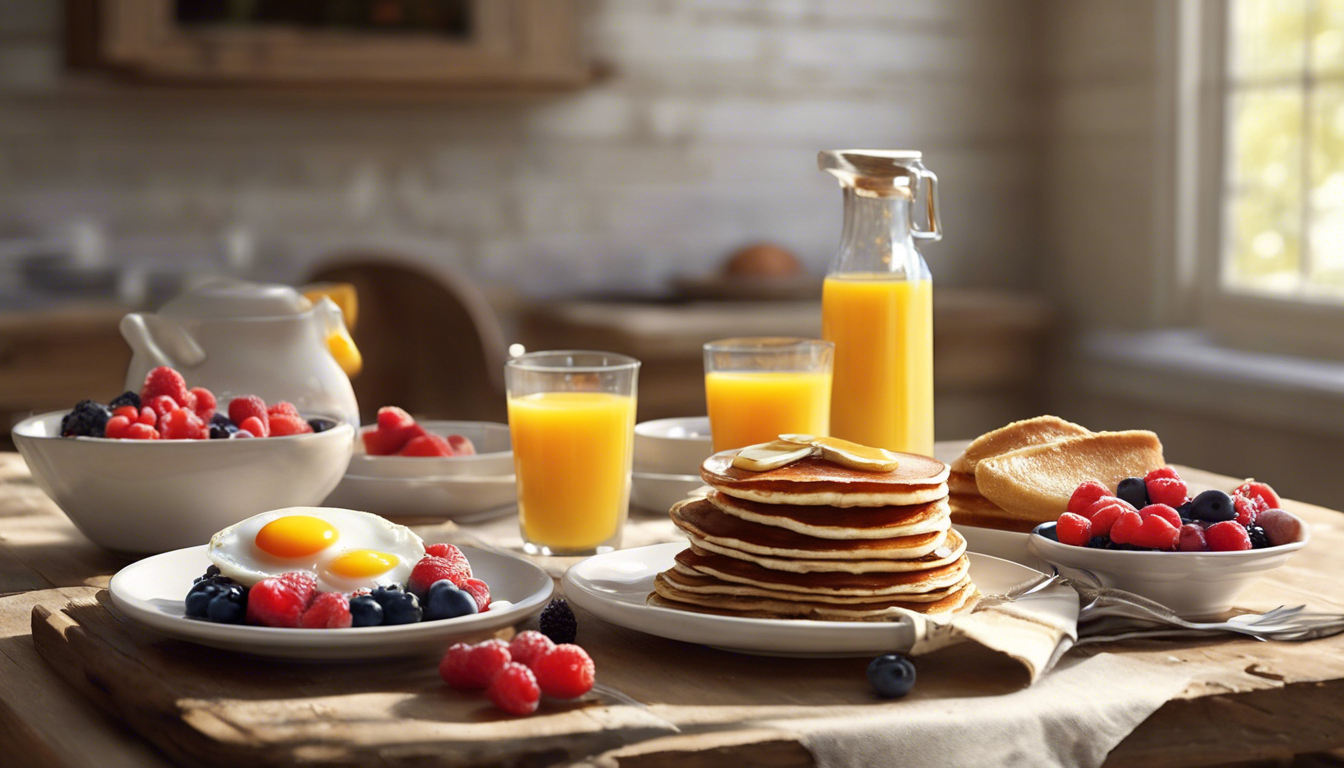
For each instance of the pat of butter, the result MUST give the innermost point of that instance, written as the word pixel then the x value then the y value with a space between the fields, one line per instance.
pixel 767 456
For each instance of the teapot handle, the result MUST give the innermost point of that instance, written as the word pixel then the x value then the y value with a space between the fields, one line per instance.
pixel 162 341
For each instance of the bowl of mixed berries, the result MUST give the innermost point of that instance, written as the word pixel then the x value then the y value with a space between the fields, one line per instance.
pixel 1193 552
pixel 165 467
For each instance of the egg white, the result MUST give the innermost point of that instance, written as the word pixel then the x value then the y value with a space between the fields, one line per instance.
pixel 233 550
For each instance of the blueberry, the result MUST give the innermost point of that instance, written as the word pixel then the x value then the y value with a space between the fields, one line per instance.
pixel 1259 538
pixel 199 597
pixel 221 431
pixel 1213 506
pixel 1134 491
pixel 892 676
pixel 87 419
pixel 221 419
pixel 445 601
pixel 125 398
pixel 1099 542
pixel 398 607
pixel 365 612
pixel 321 425
pixel 229 606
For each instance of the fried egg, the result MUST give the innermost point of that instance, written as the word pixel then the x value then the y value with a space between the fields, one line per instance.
pixel 343 548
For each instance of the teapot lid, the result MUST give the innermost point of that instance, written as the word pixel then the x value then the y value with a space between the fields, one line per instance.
pixel 223 298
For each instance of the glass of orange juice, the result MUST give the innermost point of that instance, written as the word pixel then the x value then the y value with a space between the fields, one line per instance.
pixel 760 388
pixel 572 422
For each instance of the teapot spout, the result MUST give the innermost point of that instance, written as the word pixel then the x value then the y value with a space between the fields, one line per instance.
pixel 161 341
pixel 337 336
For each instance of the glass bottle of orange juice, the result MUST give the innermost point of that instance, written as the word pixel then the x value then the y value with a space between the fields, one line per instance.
pixel 877 301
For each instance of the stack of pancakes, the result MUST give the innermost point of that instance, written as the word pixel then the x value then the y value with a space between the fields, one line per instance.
pixel 1021 475
pixel 817 540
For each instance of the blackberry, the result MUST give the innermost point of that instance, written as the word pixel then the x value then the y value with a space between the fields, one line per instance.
pixel 1099 542
pixel 88 419
pixel 558 623
pixel 321 425
pixel 210 573
pixel 365 611
pixel 892 676
pixel 1259 538
pixel 445 601
pixel 125 398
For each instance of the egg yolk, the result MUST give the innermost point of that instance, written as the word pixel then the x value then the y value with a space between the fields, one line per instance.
pixel 362 563
pixel 296 536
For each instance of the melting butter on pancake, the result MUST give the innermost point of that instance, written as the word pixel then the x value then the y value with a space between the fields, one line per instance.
pixel 1019 434
pixel 691 581
pixel 836 522
pixel 816 482
pixel 668 596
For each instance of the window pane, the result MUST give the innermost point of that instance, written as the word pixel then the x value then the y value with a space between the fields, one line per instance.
pixel 1327 36
pixel 1327 191
pixel 1263 243
pixel 1265 140
pixel 1267 37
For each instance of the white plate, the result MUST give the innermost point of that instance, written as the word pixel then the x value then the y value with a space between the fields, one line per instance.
pixel 152 591
pixel 657 492
pixel 614 587
pixel 1005 545
pixel 449 498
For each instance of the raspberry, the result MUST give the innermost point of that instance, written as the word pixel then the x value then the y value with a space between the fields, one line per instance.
pixel 254 427
pixel 283 407
pixel 148 416
pixel 330 610
pixel 479 590
pixel 565 672
pixel 162 405
pixel 1168 490
pixel 1161 472
pixel 182 424
pixel 1227 536
pixel 472 667
pixel 529 646
pixel 141 432
pixel 429 570
pixel 1248 509
pixel 398 426
pixel 1260 491
pixel 1073 529
pixel 462 446
pixel 1103 502
pixel 1157 533
pixel 250 406
pixel 116 427
pixel 514 689
pixel 1163 511
pixel 165 381
pixel 1105 518
pixel 379 443
pixel 205 403
pixel 426 445
pixel 279 601
pixel 1192 539
pixel 1085 495
pixel 130 412
pixel 284 424
pixel 1126 528
pixel 450 553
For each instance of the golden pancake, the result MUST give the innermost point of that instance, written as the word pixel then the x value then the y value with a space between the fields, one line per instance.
pixel 687 580
pixel 961 482
pixel 835 522
pixel 668 596
pixel 930 573
pixel 814 481
pixel 702 520
pixel 978 512
pixel 1019 434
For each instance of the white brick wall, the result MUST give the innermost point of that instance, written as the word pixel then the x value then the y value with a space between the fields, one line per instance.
pixel 704 138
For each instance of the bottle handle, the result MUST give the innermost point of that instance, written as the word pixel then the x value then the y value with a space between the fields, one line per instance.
pixel 929 180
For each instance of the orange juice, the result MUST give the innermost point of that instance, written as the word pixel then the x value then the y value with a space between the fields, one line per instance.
pixel 882 393
pixel 750 407
pixel 572 452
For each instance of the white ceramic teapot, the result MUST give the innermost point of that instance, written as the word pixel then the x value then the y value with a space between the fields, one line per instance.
pixel 237 338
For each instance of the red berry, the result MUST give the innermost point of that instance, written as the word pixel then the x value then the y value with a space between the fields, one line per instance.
pixel 1105 518
pixel 254 426
pixel 163 405
pixel 1168 472
pixel 479 590
pixel 1248 509
pixel 250 406
pixel 165 381
pixel 141 432
pixel 1168 490
pixel 279 601
pixel 462 446
pixel 1157 533
pixel 117 426
pixel 1103 502
pixel 1227 536
pixel 472 667
pixel 566 671
pixel 398 427
pixel 451 553
pixel 379 443
pixel 1280 527
pixel 148 416
pixel 514 689
pixel 1126 527
pixel 528 646
pixel 284 424
pixel 1163 511
pixel 329 610
pixel 426 445
pixel 205 403
pixel 429 570
pixel 1086 495
pixel 182 424
pixel 1073 529
pixel 129 411
pixel 283 407
pixel 1260 491
pixel 1192 539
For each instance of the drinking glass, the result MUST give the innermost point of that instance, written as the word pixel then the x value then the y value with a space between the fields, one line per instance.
pixel 760 388
pixel 572 422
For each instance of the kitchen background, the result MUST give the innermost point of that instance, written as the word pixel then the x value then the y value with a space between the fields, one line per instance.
pixel 1073 140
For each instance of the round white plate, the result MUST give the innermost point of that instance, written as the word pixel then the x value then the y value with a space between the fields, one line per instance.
pixel 152 591
pixel 614 587
pixel 450 498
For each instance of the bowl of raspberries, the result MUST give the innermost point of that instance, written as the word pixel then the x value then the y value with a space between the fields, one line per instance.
pixel 1192 551
pixel 165 467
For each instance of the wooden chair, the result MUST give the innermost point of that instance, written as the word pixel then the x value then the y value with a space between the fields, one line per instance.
pixel 431 342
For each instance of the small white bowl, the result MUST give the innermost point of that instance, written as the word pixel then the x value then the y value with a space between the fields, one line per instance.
pixel 657 493
pixel 672 446
pixel 150 496
pixel 494 454
pixel 1191 584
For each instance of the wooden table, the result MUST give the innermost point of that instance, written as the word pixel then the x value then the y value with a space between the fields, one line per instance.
pixel 1247 700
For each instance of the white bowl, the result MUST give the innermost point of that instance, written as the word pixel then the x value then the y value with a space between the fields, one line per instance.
pixel 1191 584
pixel 494 454
pixel 672 446
pixel 149 496
pixel 657 493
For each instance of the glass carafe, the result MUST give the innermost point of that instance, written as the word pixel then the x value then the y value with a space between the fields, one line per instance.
pixel 877 302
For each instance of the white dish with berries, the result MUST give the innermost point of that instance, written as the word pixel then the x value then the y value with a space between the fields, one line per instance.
pixel 152 592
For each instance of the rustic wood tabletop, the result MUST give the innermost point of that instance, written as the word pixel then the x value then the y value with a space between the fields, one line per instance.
pixel 79 686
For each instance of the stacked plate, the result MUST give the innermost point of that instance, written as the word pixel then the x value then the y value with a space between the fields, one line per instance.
pixel 668 453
